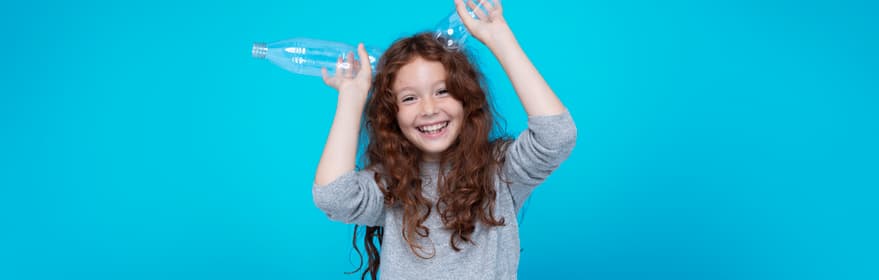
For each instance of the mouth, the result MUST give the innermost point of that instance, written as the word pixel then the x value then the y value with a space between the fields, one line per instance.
pixel 433 129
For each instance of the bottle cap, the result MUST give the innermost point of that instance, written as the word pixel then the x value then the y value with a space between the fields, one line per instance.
pixel 259 50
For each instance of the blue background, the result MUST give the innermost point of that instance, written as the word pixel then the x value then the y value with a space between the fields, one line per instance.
pixel 718 139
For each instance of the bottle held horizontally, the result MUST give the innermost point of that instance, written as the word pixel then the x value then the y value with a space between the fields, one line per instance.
pixel 307 56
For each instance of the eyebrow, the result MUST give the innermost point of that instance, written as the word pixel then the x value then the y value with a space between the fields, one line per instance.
pixel 398 91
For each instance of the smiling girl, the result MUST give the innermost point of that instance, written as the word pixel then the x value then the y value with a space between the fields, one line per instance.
pixel 439 196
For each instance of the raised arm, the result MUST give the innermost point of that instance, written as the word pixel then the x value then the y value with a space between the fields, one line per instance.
pixel 340 151
pixel 492 30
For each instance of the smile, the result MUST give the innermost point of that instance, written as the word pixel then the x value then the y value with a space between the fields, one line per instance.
pixel 433 129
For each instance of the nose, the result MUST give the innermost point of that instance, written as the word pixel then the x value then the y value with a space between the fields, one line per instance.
pixel 428 107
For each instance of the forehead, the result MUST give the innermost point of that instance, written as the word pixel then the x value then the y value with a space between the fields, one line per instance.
pixel 419 73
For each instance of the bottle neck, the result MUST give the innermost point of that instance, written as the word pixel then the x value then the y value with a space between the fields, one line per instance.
pixel 259 50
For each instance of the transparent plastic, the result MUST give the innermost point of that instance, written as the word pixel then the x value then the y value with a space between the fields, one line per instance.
pixel 307 56
pixel 451 30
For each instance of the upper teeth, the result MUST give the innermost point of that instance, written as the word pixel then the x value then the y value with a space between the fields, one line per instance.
pixel 433 128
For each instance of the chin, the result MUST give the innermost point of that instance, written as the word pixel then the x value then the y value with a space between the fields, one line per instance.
pixel 433 145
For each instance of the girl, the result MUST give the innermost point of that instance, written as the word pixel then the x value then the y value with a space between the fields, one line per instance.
pixel 437 193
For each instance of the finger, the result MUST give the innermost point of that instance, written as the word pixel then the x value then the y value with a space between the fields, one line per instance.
pixel 463 14
pixel 340 67
pixel 365 66
pixel 498 8
pixel 493 9
pixel 355 66
pixel 349 65
pixel 486 4
pixel 477 10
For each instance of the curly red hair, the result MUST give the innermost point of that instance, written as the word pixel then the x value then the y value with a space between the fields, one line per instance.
pixel 466 193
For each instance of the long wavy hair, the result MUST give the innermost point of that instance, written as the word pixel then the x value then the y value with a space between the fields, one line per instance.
pixel 466 193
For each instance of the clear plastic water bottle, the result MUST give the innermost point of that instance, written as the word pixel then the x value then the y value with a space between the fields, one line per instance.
pixel 307 56
pixel 451 30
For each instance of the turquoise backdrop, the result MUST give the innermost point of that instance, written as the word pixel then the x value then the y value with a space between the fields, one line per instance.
pixel 717 139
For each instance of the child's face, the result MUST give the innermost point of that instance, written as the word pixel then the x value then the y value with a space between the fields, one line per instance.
pixel 428 115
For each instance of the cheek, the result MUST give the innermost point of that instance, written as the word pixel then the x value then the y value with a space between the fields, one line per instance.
pixel 458 111
pixel 403 118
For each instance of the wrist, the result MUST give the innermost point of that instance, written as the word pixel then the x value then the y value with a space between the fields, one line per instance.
pixel 351 100
pixel 353 95
pixel 500 39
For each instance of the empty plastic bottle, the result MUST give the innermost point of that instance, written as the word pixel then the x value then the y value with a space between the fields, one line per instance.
pixel 307 56
pixel 451 30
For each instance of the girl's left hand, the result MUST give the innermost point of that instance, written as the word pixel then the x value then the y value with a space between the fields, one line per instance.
pixel 355 79
pixel 489 25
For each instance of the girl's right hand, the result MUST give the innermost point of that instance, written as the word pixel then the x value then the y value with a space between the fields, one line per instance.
pixel 489 27
pixel 354 81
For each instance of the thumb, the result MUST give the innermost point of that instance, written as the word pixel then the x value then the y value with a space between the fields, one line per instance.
pixel 325 76
pixel 365 66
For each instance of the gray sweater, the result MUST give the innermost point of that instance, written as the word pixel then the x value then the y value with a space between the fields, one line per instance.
pixel 355 198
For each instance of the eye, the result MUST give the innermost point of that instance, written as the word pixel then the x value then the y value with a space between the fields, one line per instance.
pixel 442 92
pixel 407 99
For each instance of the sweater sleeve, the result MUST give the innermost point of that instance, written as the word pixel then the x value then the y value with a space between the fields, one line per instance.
pixel 353 198
pixel 538 150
